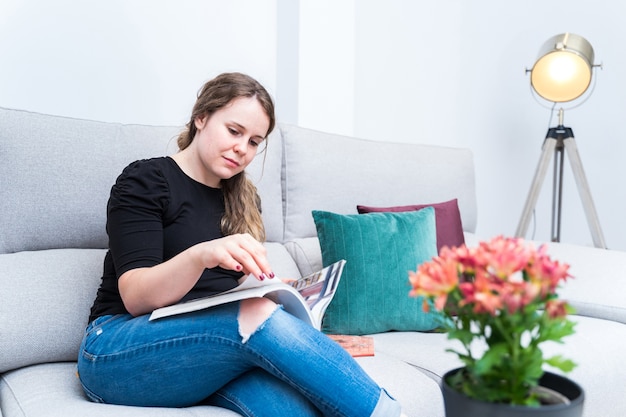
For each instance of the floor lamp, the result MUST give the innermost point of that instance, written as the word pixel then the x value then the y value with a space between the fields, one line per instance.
pixel 562 73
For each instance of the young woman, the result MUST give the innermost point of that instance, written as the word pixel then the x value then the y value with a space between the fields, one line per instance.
pixel 188 226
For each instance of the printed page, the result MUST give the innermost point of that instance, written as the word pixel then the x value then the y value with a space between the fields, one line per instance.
pixel 306 298
pixel 319 288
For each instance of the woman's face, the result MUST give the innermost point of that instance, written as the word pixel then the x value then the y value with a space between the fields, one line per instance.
pixel 228 140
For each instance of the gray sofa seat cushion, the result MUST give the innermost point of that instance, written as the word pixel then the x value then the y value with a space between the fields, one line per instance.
pixel 595 272
pixel 53 390
pixel 597 347
pixel 335 173
pixel 416 391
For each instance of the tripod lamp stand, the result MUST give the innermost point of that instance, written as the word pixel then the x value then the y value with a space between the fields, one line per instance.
pixel 562 73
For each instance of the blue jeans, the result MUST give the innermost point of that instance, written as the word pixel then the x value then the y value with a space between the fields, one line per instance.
pixel 285 368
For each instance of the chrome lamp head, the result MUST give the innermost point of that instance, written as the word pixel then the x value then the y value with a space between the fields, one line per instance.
pixel 563 70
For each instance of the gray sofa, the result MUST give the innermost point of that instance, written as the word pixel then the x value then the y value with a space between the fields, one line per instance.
pixel 55 175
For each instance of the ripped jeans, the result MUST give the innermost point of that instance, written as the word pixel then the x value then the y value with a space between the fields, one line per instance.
pixel 285 368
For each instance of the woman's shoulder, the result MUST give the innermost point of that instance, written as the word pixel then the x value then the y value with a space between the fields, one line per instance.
pixel 149 164
pixel 146 168
pixel 141 187
pixel 144 173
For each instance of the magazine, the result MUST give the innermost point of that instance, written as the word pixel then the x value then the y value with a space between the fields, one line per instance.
pixel 306 298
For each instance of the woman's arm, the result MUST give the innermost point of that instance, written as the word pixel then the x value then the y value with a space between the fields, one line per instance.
pixel 145 289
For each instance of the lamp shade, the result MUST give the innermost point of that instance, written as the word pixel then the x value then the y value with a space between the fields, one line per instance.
pixel 564 68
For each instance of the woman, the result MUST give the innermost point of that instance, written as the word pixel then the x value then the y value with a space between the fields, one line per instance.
pixel 187 226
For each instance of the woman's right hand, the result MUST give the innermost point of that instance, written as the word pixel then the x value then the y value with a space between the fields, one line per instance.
pixel 146 289
pixel 239 252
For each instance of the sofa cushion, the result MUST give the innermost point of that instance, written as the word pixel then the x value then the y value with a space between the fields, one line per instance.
pixel 46 295
pixel 597 347
pixel 266 171
pixel 447 220
pixel 44 304
pixel 416 391
pixel 53 390
pixel 380 248
pixel 72 164
pixel 598 275
pixel 306 253
pixel 335 173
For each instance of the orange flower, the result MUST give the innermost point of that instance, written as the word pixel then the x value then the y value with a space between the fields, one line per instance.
pixel 434 279
pixel 495 293
pixel 506 256
pixel 556 308
pixel 505 275
pixel 517 295
pixel 482 294
pixel 548 272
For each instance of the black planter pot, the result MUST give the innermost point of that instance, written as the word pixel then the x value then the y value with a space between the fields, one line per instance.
pixel 458 405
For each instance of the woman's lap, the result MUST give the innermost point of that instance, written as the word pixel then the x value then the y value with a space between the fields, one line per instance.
pixel 133 361
pixel 183 360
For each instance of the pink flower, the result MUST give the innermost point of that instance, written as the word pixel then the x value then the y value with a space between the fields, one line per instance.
pixel 482 294
pixel 495 293
pixel 546 271
pixel 506 256
pixel 517 295
pixel 434 279
pixel 498 276
pixel 556 308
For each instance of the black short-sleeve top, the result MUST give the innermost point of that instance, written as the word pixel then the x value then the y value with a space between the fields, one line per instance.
pixel 155 211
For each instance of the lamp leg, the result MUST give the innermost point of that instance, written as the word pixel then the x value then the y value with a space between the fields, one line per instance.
pixel 585 193
pixel 560 138
pixel 557 190
pixel 540 174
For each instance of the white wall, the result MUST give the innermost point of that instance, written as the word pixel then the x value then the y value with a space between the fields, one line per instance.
pixel 138 61
pixel 447 72
pixel 452 72
pixel 459 80
pixel 327 65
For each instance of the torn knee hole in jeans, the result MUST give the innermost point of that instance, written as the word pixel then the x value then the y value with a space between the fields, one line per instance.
pixel 245 335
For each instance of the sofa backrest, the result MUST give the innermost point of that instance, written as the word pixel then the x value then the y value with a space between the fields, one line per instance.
pixel 55 178
pixel 335 173
pixel 56 174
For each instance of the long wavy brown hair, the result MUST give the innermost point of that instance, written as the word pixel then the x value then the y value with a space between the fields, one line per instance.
pixel 241 199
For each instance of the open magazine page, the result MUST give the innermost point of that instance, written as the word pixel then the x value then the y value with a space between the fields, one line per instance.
pixel 247 289
pixel 305 298
pixel 319 288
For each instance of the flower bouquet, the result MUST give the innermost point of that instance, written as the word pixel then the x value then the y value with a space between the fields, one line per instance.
pixel 499 301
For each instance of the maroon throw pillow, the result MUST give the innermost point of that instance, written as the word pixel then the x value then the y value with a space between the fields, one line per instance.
pixel 447 220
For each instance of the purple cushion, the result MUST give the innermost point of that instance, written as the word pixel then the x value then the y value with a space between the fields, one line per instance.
pixel 447 220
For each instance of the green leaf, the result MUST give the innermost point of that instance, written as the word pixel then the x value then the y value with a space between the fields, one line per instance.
pixel 556 330
pixel 495 356
pixel 464 336
pixel 559 362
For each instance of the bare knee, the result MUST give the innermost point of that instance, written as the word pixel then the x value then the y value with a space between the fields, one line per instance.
pixel 252 313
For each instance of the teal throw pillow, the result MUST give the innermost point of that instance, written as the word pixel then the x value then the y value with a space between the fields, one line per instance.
pixel 380 250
